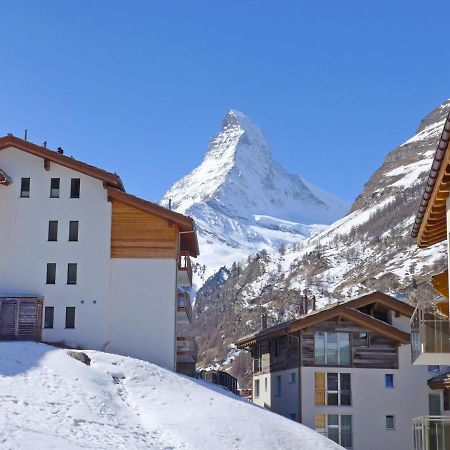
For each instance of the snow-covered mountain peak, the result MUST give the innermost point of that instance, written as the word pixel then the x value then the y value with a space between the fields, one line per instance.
pixel 241 197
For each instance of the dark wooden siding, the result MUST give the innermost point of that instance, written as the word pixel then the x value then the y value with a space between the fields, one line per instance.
pixel 382 352
pixel 21 318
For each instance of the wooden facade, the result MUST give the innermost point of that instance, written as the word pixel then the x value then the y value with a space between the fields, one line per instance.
pixel 21 318
pixel 367 321
pixel 139 234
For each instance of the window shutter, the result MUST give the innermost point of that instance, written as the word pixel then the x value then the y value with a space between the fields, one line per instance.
pixel 319 378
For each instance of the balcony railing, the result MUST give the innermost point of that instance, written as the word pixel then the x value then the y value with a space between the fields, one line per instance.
pixel 430 336
pixel 186 349
pixel 184 265
pixel 431 433
pixel 184 305
pixel 333 398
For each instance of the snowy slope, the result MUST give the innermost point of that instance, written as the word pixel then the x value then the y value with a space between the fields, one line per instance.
pixel 50 401
pixel 243 201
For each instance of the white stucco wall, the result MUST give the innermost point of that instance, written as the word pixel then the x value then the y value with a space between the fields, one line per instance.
pixel 372 401
pixel 142 309
pixel 25 250
pixel 286 403
pixel 264 394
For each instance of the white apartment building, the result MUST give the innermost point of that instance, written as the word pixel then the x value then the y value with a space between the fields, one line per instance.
pixel 105 266
pixel 344 371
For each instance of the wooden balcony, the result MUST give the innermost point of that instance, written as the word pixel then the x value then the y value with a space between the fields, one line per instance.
pixel 184 275
pixel 186 349
pixel 184 307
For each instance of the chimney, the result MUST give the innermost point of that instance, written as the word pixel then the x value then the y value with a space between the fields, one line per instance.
pixel 170 204
pixel 60 150
pixel 25 138
pixel 263 321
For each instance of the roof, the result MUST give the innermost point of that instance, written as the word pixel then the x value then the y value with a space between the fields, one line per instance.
pixel 114 185
pixel 109 178
pixel 4 179
pixel 441 381
pixel 349 310
pixel 430 226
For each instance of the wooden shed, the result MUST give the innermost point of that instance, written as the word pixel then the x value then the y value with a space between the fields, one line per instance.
pixel 21 318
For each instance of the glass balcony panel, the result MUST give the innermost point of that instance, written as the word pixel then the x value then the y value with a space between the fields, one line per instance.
pixel 430 336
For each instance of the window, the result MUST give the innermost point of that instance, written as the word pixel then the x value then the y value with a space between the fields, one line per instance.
pixel 333 389
pixel 49 314
pixel 75 188
pixel 256 388
pixel 390 422
pixel 332 349
pixel 434 403
pixel 54 188
pixel 257 360
pixel 337 427
pixel 361 339
pixel 277 350
pixel 25 188
pixel 73 231
pixel 446 393
pixel 51 273
pixel 292 378
pixel 265 384
pixel 72 273
pixel 389 380
pixel 70 317
pixel 278 386
pixel 53 230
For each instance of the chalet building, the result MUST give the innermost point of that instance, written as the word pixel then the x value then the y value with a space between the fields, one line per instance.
pixel 84 263
pixel 344 371
pixel 430 325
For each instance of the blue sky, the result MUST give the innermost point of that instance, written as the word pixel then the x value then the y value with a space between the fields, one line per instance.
pixel 139 87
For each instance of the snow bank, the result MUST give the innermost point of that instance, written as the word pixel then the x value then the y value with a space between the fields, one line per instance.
pixel 51 401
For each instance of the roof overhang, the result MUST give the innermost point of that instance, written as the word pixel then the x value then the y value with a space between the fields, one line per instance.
pixel 440 283
pixel 430 226
pixel 357 317
pixel 108 178
pixel 441 381
pixel 186 225
pixel 348 310
pixel 4 179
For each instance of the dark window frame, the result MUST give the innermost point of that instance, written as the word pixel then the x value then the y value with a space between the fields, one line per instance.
pixel 25 193
pixel 393 422
pixel 51 276
pixel 70 320
pixel 72 273
pixel 49 317
pixel 55 190
pixel 52 232
pixel 389 384
pixel 74 227
pixel 75 184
